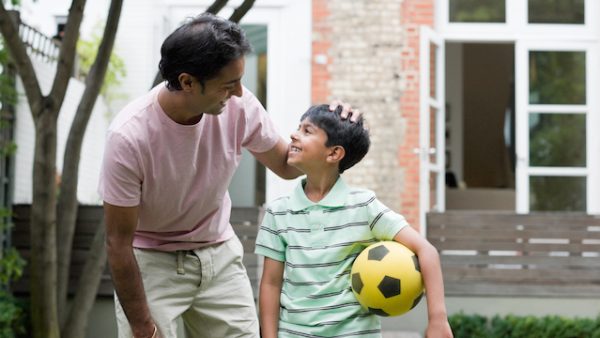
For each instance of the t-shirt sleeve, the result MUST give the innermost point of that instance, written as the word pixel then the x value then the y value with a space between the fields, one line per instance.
pixel 260 134
pixel 384 222
pixel 120 179
pixel 268 241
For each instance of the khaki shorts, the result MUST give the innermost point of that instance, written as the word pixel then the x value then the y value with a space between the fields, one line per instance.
pixel 207 287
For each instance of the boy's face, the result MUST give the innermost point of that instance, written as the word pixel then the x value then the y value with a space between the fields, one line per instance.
pixel 307 149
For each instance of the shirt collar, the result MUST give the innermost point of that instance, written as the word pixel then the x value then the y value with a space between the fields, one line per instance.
pixel 336 197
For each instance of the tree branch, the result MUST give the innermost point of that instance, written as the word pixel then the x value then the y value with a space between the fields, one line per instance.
pixel 9 27
pixel 216 6
pixel 242 9
pixel 66 55
pixel 67 202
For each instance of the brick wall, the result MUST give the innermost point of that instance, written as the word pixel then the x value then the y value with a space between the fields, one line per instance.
pixel 416 13
pixel 366 52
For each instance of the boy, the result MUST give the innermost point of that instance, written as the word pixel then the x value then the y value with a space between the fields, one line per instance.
pixel 311 238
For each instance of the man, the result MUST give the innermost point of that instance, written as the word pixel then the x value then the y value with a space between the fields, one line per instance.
pixel 169 158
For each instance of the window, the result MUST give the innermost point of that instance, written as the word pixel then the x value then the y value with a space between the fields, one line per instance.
pixel 477 11
pixel 556 11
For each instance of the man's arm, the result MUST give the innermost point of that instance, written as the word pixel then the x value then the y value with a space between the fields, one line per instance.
pixel 121 223
pixel 270 291
pixel 276 160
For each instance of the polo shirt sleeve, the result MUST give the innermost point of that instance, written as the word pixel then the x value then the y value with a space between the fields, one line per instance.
pixel 120 178
pixel 384 222
pixel 268 241
pixel 260 134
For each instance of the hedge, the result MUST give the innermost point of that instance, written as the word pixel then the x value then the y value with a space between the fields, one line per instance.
pixel 510 326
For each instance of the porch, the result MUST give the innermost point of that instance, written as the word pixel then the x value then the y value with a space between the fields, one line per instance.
pixel 497 253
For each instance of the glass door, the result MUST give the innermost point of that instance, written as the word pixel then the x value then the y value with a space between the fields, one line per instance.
pixel 555 109
pixel 431 128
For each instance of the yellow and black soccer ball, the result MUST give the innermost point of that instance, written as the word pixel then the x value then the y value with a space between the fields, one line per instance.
pixel 386 279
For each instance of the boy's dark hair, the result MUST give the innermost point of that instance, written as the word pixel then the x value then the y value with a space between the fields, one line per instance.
pixel 352 136
pixel 201 47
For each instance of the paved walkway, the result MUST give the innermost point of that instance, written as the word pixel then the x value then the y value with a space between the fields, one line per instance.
pixel 401 334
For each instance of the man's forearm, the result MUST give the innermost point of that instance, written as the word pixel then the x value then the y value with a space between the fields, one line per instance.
pixel 130 291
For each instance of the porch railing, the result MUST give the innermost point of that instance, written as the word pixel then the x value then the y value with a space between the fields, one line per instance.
pixel 39 44
pixel 507 254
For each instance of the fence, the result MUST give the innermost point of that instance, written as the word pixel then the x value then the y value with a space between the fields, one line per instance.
pixel 244 221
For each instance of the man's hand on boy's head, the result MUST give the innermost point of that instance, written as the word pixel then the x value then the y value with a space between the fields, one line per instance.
pixel 347 110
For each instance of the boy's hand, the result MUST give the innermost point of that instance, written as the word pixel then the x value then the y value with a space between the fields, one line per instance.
pixel 347 110
pixel 438 329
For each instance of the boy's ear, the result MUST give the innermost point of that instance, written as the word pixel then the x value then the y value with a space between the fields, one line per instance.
pixel 336 154
pixel 186 81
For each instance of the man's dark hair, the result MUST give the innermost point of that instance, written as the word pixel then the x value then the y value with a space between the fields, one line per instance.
pixel 352 136
pixel 201 47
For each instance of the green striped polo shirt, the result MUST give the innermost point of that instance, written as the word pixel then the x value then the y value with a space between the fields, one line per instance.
pixel 318 243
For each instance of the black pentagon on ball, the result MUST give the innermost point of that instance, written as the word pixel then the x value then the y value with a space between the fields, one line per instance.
pixel 357 283
pixel 377 253
pixel 389 286
pixel 416 262
pixel 378 312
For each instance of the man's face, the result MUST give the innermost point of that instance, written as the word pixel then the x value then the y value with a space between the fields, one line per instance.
pixel 218 90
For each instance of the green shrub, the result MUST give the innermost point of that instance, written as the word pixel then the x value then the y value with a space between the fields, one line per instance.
pixel 511 326
pixel 12 316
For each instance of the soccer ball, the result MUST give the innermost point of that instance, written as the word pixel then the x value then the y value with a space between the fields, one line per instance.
pixel 386 279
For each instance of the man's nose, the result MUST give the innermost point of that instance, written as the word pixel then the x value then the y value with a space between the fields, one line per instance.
pixel 238 90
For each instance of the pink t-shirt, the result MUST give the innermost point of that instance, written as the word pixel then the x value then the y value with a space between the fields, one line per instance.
pixel 177 174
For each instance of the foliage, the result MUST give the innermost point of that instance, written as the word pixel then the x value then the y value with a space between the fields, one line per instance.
pixel 8 95
pixel 12 313
pixel 473 326
pixel 557 77
pixel 511 326
pixel 12 316
pixel 87 50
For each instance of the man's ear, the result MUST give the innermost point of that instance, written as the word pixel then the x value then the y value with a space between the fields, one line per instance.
pixel 186 81
pixel 336 154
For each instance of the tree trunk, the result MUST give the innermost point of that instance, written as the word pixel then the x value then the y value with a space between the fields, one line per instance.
pixel 66 53
pixel 43 229
pixel 88 287
pixel 44 110
pixel 9 26
pixel 67 203
pixel 216 6
pixel 241 11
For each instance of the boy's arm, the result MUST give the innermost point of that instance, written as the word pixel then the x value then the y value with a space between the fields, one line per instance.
pixel 270 291
pixel 429 261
